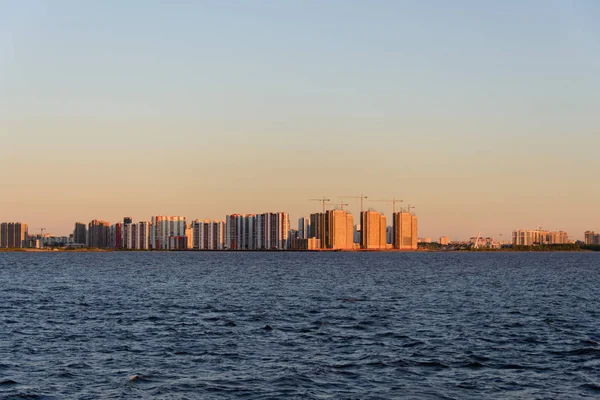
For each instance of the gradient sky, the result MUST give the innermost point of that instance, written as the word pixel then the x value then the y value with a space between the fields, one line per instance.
pixel 484 115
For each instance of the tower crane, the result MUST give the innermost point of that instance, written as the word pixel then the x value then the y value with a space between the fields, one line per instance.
pixel 341 205
pixel 323 200
pixel 362 197
pixel 393 201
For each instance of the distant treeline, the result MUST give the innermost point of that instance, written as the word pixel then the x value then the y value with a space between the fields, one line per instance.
pixel 546 247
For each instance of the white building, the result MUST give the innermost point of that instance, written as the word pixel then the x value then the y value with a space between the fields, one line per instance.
pixel 143 235
pixel 208 235
pixel 164 228
pixel 268 231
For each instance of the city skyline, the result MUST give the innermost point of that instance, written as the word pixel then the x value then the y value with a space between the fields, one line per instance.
pixel 401 206
pixel 482 115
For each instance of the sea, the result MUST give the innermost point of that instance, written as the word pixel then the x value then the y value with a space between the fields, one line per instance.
pixel 299 325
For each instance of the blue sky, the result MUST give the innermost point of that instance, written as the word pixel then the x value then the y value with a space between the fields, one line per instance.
pixel 483 114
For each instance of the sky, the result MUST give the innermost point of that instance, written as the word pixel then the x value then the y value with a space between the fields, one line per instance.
pixel 485 116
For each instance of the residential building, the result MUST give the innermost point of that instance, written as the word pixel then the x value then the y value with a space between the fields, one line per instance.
pixel 4 235
pixel 303 228
pixel 538 237
pixel 293 238
pixel 237 235
pixel 164 227
pixel 267 231
pixel 339 233
pixel 143 235
pixel 99 234
pixel 444 241
pixel 189 234
pixel 405 231
pixel 208 235
pixel 317 228
pixel 357 233
pixel 332 230
pixel 389 234
pixel 592 238
pixel 80 233
pixel 13 235
pixel 373 233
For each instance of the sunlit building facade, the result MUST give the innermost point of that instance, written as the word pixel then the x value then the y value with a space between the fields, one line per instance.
pixel 405 231
pixel 538 237
pixel 373 230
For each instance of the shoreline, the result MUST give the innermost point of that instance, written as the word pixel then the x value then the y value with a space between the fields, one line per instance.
pixel 508 250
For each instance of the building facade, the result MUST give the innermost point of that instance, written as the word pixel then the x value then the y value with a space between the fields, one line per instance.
pixel 13 235
pixel 99 234
pixel 591 237
pixel 267 231
pixel 208 235
pixel 373 230
pixel 405 231
pixel 80 233
pixel 538 237
pixel 164 228
pixel 303 228
pixel 333 230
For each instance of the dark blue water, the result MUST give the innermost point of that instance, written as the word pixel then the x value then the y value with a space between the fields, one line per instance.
pixel 299 325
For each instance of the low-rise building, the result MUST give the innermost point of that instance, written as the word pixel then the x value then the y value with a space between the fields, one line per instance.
pixel 539 237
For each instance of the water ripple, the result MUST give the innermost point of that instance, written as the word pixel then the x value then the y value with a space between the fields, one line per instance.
pixel 299 325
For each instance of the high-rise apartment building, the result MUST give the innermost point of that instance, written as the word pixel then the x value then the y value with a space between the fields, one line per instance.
pixel 444 241
pixel 80 233
pixel 99 234
pixel 333 230
pixel 165 227
pixel 303 228
pixel 317 228
pixel 189 236
pixel 13 235
pixel 389 235
pixel 4 235
pixel 405 231
pixel 279 231
pixel 129 234
pixel 373 226
pixel 339 230
pixel 240 232
pixel 143 235
pixel 267 231
pixel 117 235
pixel 208 235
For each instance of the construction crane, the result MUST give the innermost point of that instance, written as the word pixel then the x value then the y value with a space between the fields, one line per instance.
pixel 341 205
pixel 393 201
pixel 411 208
pixel 323 200
pixel 362 197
